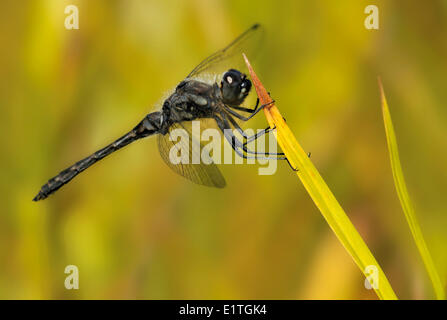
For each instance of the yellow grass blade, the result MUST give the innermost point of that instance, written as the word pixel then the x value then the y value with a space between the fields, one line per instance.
pixel 320 193
pixel 405 201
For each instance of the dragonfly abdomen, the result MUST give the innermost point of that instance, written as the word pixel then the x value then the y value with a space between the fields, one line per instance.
pixel 149 126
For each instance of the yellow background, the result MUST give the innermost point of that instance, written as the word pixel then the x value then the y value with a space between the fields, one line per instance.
pixel 137 230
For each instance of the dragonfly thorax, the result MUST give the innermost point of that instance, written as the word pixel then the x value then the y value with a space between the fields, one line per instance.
pixel 191 100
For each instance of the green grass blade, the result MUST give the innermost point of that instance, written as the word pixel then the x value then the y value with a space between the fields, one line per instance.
pixel 321 194
pixel 401 188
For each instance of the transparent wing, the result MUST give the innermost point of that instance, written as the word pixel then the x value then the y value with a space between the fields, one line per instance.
pixel 182 153
pixel 230 57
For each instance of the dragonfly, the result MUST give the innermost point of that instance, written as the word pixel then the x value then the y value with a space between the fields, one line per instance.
pixel 195 98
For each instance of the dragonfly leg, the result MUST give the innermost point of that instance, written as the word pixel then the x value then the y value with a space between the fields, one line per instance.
pixel 254 137
pixel 254 108
pixel 290 165
pixel 296 169
pixel 241 117
pixel 247 109
pixel 249 138
pixel 257 135
pixel 239 147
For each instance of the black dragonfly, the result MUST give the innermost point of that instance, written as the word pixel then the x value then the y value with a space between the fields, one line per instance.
pixel 194 99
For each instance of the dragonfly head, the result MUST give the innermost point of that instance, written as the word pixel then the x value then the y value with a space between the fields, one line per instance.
pixel 234 87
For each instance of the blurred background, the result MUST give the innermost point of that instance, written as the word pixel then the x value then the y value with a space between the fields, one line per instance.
pixel 136 230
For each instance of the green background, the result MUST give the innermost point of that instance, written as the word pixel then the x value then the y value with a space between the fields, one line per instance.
pixel 137 230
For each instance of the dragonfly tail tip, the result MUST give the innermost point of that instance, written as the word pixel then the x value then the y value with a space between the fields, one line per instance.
pixel 38 197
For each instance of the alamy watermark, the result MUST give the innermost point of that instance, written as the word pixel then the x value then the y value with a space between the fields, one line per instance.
pixel 205 147
pixel 372 20
pixel 372 277
pixel 72 280
pixel 72 20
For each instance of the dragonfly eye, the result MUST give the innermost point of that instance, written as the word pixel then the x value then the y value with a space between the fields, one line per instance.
pixel 232 76
pixel 245 85
pixel 234 87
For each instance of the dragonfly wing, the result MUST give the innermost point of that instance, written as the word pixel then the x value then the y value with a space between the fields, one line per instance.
pixel 230 57
pixel 182 153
